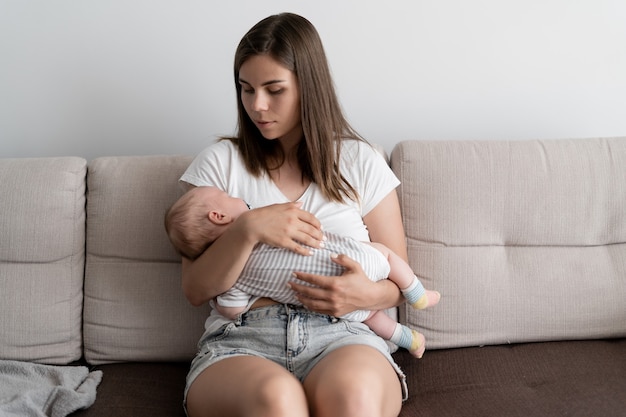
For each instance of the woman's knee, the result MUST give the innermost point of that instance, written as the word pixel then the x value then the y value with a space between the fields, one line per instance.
pixel 246 386
pixel 355 397
pixel 354 381
pixel 279 395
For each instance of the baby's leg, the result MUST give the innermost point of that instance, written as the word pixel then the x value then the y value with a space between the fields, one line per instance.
pixel 402 275
pixel 389 329
pixel 229 312
pixel 232 303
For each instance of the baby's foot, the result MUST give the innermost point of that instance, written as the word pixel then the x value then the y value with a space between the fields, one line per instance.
pixel 410 339
pixel 429 299
pixel 418 345
pixel 419 297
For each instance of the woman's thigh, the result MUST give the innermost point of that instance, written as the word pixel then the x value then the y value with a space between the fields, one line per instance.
pixel 246 386
pixel 355 380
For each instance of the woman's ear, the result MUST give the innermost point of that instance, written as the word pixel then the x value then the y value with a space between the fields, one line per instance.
pixel 218 218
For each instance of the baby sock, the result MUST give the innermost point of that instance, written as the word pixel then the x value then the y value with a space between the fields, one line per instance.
pixel 415 294
pixel 409 339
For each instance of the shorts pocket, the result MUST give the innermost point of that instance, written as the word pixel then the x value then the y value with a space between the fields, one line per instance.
pixel 217 335
pixel 356 327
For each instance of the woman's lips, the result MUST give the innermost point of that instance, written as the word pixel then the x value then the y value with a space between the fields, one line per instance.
pixel 263 124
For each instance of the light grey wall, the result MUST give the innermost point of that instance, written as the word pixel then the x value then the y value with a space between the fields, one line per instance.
pixel 130 77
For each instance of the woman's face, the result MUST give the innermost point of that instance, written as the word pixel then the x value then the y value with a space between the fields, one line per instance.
pixel 270 95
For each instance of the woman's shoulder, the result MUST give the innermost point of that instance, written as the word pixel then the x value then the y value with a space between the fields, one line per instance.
pixel 221 147
pixel 213 164
pixel 355 144
pixel 222 152
pixel 361 152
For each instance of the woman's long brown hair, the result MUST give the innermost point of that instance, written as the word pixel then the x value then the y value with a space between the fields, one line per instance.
pixel 294 42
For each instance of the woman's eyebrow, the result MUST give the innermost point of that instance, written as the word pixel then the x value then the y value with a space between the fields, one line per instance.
pixel 270 82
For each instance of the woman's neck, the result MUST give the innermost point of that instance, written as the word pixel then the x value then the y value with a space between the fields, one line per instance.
pixel 289 179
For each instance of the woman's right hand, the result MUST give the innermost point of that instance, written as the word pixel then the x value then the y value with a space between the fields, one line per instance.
pixel 283 225
pixel 217 269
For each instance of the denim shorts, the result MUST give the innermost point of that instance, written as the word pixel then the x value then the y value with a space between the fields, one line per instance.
pixel 288 335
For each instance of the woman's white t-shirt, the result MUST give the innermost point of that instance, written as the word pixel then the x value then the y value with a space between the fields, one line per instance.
pixel 220 165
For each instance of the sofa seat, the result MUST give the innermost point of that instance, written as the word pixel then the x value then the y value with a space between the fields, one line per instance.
pixel 587 378
pixel 549 379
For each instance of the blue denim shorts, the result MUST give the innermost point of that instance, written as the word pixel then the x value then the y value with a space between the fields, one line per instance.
pixel 288 335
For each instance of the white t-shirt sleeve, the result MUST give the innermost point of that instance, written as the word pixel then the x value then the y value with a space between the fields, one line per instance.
pixel 368 172
pixel 212 166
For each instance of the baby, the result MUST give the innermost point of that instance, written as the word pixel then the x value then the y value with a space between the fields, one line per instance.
pixel 202 214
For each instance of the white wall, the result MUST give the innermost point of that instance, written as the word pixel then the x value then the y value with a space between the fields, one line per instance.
pixel 129 77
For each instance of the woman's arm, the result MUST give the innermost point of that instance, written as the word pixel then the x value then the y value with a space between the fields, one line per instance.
pixel 352 291
pixel 217 269
pixel 385 226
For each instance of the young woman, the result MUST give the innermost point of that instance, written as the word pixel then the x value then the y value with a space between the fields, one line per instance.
pixel 293 144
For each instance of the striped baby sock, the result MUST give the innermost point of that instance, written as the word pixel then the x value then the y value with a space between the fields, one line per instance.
pixel 408 339
pixel 415 294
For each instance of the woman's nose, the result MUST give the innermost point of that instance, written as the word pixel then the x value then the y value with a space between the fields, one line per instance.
pixel 260 102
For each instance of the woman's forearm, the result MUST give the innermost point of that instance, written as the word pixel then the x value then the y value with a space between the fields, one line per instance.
pixel 216 270
pixel 388 295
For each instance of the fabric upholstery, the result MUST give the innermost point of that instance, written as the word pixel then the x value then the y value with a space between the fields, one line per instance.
pixel 577 379
pixel 134 306
pixel 42 258
pixel 525 240
pixel 573 378
pixel 140 389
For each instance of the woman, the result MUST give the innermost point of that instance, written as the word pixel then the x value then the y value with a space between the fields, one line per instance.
pixel 296 158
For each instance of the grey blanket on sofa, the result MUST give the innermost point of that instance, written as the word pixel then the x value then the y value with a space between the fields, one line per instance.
pixel 30 389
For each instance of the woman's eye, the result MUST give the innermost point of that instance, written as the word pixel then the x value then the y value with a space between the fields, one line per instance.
pixel 276 92
pixel 247 90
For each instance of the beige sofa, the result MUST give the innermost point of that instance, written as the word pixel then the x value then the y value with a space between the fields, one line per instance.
pixel 525 240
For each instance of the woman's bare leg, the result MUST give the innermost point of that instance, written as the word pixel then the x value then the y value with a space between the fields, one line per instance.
pixel 246 386
pixel 354 381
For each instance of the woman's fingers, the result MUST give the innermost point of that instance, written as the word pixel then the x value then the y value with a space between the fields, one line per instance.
pixel 286 225
pixel 331 295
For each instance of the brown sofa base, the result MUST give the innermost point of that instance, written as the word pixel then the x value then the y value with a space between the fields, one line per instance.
pixel 574 378
pixel 577 378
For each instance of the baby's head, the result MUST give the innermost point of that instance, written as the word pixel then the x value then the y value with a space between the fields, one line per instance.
pixel 199 217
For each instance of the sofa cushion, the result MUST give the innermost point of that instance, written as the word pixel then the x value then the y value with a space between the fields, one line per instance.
pixel 134 306
pixel 555 379
pixel 525 240
pixel 42 254
pixel 577 378
pixel 139 389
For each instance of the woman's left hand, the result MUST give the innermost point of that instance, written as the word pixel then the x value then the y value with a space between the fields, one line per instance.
pixel 337 296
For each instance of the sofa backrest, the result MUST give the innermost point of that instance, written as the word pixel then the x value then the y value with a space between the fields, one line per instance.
pixel 525 240
pixel 42 258
pixel 134 306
